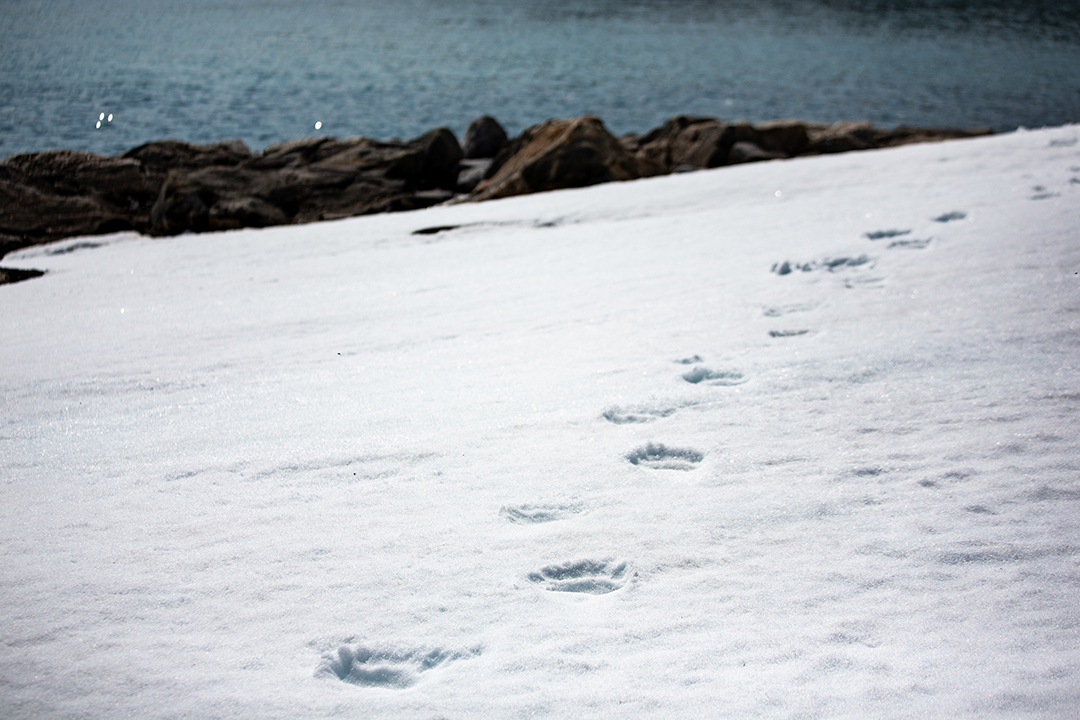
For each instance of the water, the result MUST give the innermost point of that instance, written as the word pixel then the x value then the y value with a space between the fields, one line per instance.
pixel 268 70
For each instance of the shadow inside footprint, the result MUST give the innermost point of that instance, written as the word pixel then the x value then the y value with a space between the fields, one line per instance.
pixel 529 514
pixel 830 264
pixel 913 244
pixel 384 668
pixel 661 457
pixel 591 577
pixel 787 333
pixel 713 377
pixel 883 234
pixel 950 216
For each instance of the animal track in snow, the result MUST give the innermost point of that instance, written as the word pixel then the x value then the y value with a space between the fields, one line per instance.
pixel 787 333
pixel 830 264
pixel 885 234
pixel 74 248
pixel 384 667
pixel 529 514
pixel 788 309
pixel 1041 193
pixel 661 457
pixel 950 216
pixel 912 244
pixel 592 577
pixel 688 360
pixel 713 377
pixel 624 416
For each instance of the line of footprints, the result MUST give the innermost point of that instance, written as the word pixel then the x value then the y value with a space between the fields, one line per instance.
pixel 598 577
pixel 399 668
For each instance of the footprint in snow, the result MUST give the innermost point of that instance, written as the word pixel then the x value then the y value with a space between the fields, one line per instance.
pixel 1041 193
pixel 787 333
pixel 658 456
pixel 830 264
pixel 530 514
pixel 638 414
pixel 788 309
pixel 885 234
pixel 383 667
pixel 912 244
pixel 950 216
pixel 702 374
pixel 688 360
pixel 591 577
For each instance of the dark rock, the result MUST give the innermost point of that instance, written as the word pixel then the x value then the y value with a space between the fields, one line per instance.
pixel 847 136
pixel 687 140
pixel 562 154
pixel 904 135
pixel 52 195
pixel 484 138
pixel 309 180
pixel 707 142
pixel 785 137
pixel 163 155
pixel 428 162
pixel 843 136
pixel 14 275
pixel 744 152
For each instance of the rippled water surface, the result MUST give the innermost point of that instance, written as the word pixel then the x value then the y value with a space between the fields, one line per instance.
pixel 269 70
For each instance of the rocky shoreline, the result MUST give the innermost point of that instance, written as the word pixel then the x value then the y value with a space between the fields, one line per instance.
pixel 170 187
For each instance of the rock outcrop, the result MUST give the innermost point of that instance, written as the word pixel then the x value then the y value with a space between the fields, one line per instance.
pixel 169 187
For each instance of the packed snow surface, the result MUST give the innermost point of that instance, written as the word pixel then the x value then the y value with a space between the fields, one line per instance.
pixel 792 439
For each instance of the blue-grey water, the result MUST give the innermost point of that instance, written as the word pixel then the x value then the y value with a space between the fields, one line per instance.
pixel 269 70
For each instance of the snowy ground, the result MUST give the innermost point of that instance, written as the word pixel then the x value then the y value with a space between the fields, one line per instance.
pixel 464 471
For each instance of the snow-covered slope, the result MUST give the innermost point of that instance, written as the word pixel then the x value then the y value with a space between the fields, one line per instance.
pixel 472 474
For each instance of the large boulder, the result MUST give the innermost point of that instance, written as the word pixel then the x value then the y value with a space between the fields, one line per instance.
pixel 484 138
pixel 562 154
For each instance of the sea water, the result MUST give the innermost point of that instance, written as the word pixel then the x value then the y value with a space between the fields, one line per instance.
pixel 107 75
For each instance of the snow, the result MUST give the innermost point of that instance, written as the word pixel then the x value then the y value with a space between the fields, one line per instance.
pixel 587 454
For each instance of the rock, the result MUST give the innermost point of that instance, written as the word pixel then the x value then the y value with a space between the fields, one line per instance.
pixel 14 275
pixel 707 143
pixel 309 180
pixel 428 162
pixel 847 136
pixel 744 152
pixel 905 135
pixel 687 140
pixel 562 154
pixel 786 137
pixel 57 194
pixel 484 138
pixel 842 136
pixel 161 156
